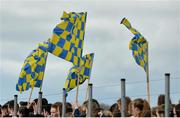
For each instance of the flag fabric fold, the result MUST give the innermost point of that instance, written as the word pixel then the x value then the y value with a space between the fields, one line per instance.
pixel 83 71
pixel 68 38
pixel 138 45
pixel 32 71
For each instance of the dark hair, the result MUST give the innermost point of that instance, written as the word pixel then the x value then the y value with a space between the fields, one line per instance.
pixel 5 106
pixel 22 103
pixel 138 103
pixel 128 100
pixel 24 111
pixel 44 101
pixel 10 104
pixel 146 109
pixel 113 107
pixel 68 107
pixel 35 100
pixel 0 110
pixel 47 108
pixel 59 104
pixel 117 113
pixel 69 110
pixel 161 100
pixel 95 104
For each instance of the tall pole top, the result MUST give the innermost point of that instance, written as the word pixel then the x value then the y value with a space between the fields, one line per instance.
pixel 40 92
pixel 167 74
pixel 123 79
pixel 90 84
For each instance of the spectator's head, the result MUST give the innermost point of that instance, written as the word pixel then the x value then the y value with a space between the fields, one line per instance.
pixel 116 113
pixel 137 107
pixel 177 110
pixel 130 108
pixel 0 111
pixel 113 107
pixel 95 104
pixel 161 111
pixel 54 110
pixel 44 101
pixel 22 104
pixel 69 110
pixel 60 108
pixel 128 100
pixel 114 110
pixel 146 109
pixel 4 110
pixel 68 107
pixel 46 110
pixel 11 107
pixel 161 100
pixel 36 101
pixel 23 112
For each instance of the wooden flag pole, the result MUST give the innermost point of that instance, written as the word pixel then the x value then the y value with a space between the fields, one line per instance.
pixel 77 90
pixel 30 95
pixel 147 74
pixel 148 90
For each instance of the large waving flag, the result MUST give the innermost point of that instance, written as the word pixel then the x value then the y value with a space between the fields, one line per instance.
pixel 84 72
pixel 32 72
pixel 68 38
pixel 138 45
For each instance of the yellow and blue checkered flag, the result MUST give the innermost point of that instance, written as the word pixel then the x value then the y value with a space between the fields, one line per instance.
pixel 32 72
pixel 138 45
pixel 84 72
pixel 68 38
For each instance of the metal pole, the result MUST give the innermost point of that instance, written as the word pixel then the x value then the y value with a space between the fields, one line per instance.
pixel 40 103
pixel 64 103
pixel 167 93
pixel 15 105
pixel 123 98
pixel 90 101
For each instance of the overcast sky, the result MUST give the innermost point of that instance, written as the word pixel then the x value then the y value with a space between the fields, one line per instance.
pixel 25 23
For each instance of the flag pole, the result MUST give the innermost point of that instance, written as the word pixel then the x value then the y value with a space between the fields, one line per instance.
pixel 77 90
pixel 147 74
pixel 30 95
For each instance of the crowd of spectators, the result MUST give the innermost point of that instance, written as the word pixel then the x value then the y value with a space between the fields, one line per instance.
pixel 134 108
